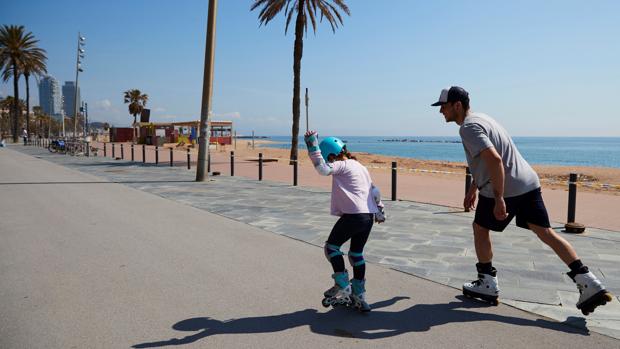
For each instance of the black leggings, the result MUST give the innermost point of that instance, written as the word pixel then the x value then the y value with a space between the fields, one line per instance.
pixel 357 228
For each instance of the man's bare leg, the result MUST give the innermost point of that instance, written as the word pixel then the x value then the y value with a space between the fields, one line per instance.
pixel 558 244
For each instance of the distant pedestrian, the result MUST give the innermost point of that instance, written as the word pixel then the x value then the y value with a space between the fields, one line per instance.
pixel 508 188
pixel 358 204
pixel 25 136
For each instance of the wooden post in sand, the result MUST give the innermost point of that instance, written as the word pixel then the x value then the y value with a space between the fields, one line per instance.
pixel 307 99
pixel 260 166
pixel 143 153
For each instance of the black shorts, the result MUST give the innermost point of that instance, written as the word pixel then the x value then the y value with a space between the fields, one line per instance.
pixel 528 208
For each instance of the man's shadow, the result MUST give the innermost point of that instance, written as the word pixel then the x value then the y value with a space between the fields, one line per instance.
pixel 344 322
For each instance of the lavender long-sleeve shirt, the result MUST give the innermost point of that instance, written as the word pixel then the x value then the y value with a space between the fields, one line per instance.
pixel 351 185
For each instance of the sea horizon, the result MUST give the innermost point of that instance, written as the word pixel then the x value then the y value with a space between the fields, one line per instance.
pixel 537 150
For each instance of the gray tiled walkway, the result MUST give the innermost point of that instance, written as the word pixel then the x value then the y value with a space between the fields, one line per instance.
pixel 428 241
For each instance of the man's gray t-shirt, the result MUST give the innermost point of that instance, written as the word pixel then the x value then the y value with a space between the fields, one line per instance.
pixel 479 132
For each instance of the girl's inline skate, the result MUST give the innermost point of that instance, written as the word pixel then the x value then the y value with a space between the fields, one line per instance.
pixel 340 293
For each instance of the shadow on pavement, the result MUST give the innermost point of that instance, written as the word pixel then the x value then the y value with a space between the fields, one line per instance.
pixel 344 322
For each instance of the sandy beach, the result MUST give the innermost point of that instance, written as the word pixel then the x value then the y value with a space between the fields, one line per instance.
pixel 592 179
pixel 435 182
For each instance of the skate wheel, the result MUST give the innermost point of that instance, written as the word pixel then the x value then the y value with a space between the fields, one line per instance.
pixel 495 302
pixel 608 297
pixel 326 303
pixel 585 312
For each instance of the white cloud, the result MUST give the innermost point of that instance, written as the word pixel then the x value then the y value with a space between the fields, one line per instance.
pixel 227 115
pixel 167 117
pixel 104 105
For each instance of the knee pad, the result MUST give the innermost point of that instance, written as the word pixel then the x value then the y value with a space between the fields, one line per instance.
pixel 332 251
pixel 356 258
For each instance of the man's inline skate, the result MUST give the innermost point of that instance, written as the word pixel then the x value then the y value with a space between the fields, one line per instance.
pixel 591 292
pixel 486 288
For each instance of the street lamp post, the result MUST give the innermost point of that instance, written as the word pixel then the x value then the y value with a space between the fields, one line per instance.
pixel 85 119
pixel 78 68
pixel 62 113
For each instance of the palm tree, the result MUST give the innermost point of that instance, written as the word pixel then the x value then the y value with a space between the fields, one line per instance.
pixel 30 65
pixel 10 123
pixel 34 65
pixel 5 105
pixel 137 102
pixel 327 9
pixel 16 49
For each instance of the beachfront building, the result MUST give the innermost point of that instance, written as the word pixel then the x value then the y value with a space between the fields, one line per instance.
pixel 68 94
pixel 221 132
pixel 50 97
pixel 187 132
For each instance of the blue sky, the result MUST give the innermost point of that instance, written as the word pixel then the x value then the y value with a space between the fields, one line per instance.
pixel 542 68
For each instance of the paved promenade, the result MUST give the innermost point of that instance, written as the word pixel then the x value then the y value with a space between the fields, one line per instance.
pixel 430 242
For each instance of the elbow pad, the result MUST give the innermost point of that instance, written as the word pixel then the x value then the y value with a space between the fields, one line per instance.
pixel 323 169
pixel 376 195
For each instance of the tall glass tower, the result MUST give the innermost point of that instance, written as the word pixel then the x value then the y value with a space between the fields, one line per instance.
pixel 50 98
pixel 68 92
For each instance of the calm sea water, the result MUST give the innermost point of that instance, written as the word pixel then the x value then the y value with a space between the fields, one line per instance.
pixel 567 151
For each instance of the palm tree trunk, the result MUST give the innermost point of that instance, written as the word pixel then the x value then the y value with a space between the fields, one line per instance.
pixel 15 101
pixel 297 54
pixel 26 76
pixel 134 128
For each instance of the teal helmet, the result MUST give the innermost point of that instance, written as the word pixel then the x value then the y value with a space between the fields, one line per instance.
pixel 331 145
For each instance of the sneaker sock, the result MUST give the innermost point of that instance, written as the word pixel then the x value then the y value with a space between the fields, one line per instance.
pixel 486 268
pixel 577 267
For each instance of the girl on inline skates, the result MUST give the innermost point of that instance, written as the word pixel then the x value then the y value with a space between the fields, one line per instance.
pixel 358 204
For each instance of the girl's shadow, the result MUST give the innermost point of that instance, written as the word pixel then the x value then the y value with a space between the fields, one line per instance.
pixel 343 322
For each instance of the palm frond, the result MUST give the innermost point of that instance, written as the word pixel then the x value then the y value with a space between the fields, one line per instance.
pixel 288 20
pixel 19 49
pixel 311 7
pixel 136 100
pixel 328 9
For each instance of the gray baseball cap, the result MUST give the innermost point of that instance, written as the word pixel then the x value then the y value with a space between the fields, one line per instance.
pixel 453 94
